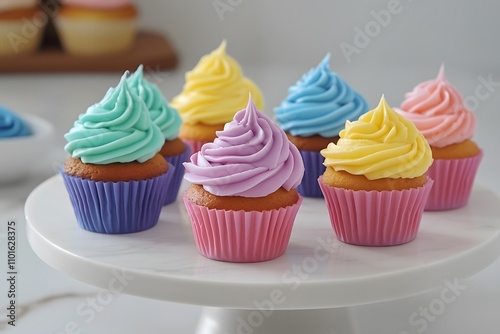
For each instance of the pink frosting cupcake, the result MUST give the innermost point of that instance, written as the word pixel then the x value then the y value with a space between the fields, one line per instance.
pixel 438 111
pixel 243 199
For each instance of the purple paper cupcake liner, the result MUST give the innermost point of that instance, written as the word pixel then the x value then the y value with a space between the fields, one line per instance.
pixel 117 207
pixel 176 162
pixel 453 181
pixel 376 218
pixel 314 168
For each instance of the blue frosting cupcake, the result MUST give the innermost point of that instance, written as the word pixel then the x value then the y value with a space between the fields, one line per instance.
pixel 313 114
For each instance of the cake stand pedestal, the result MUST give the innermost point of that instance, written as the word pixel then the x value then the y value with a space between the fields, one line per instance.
pixel 316 321
pixel 309 290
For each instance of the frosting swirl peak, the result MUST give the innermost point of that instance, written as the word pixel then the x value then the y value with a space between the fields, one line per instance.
pixel 214 90
pixel 319 104
pixel 251 157
pixel 117 129
pixel 438 111
pixel 164 116
pixel 381 144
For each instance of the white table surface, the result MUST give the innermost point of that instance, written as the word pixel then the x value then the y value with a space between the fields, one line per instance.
pixel 49 302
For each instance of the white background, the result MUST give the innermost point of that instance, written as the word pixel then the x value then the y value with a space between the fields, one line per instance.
pixel 275 42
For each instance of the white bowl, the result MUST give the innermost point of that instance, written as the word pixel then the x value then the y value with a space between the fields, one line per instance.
pixel 20 155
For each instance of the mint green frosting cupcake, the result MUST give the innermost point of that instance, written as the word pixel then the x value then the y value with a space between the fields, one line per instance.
pixel 164 116
pixel 116 129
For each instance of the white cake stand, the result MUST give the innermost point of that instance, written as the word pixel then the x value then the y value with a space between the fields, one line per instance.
pixel 308 290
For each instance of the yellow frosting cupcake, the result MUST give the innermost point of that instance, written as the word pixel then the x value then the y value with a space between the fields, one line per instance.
pixel 379 165
pixel 380 151
pixel 214 90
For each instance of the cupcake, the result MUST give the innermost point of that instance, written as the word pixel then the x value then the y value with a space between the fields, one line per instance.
pixel 214 90
pixel 169 121
pixel 94 27
pixel 22 24
pixel 438 111
pixel 243 199
pixel 115 177
pixel 312 116
pixel 374 183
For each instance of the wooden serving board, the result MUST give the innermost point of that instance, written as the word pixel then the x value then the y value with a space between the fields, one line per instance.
pixel 150 49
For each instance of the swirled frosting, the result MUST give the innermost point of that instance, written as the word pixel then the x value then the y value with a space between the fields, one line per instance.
pixel 117 129
pixel 12 125
pixel 319 104
pixel 438 111
pixel 251 157
pixel 214 90
pixel 164 116
pixel 99 4
pixel 381 144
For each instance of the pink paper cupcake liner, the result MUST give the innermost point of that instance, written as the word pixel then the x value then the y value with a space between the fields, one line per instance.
pixel 375 218
pixel 176 162
pixel 241 236
pixel 195 145
pixel 314 168
pixel 453 181
pixel 117 207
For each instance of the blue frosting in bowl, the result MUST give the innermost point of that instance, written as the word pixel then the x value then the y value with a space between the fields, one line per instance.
pixel 12 125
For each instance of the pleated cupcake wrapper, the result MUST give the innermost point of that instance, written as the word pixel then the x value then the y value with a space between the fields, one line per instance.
pixel 195 145
pixel 176 162
pixel 375 218
pixel 314 168
pixel 241 236
pixel 453 181
pixel 117 207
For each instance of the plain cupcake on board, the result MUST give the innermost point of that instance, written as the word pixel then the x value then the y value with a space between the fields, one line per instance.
pixel 214 90
pixel 313 114
pixel 95 27
pixel 243 200
pixel 115 177
pixel 22 24
pixel 168 120
pixel 375 184
pixel 438 111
